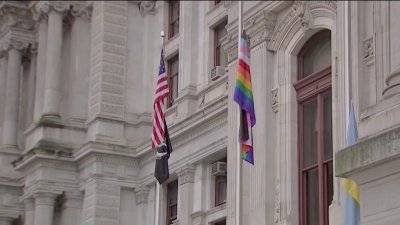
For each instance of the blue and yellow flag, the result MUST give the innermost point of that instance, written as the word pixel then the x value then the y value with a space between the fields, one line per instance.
pixel 352 191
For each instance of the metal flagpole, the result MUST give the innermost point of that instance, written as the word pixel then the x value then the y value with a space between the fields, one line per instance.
pixel 239 150
pixel 158 186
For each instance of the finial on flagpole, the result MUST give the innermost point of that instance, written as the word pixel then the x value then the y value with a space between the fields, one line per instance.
pixel 162 35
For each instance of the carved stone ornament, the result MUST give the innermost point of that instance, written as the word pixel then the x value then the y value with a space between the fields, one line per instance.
pixel 368 48
pixel 186 174
pixel 147 7
pixel 82 8
pixel 260 27
pixel 15 15
pixel 42 8
pixel 277 204
pixel 15 44
pixel 302 11
pixel 275 100
pixel 142 194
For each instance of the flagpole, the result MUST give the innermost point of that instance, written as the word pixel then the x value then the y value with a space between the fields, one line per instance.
pixel 158 186
pixel 238 150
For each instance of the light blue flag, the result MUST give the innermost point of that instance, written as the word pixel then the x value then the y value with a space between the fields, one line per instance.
pixel 352 191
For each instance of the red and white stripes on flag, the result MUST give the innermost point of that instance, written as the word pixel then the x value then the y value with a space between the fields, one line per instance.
pixel 162 91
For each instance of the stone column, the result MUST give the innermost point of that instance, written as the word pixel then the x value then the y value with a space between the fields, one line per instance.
pixel 185 194
pixel 10 122
pixel 44 208
pixel 142 196
pixel 391 9
pixel 79 66
pixel 3 72
pixel 52 92
pixel 29 211
pixel 40 69
pixel 71 210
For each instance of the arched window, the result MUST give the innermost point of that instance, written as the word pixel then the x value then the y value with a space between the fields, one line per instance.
pixel 315 153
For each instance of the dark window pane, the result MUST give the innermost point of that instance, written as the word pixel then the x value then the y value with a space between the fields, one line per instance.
pixel 174 87
pixel 312 197
pixel 318 57
pixel 327 118
pixel 174 10
pixel 220 190
pixel 310 133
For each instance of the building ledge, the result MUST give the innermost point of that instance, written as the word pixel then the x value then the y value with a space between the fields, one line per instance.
pixel 374 152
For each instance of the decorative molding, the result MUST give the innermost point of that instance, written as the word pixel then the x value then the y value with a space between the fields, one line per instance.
pixel 42 8
pixel 186 174
pixel 275 100
pixel 14 43
pixel 277 203
pixel 147 7
pixel 82 9
pixel 301 16
pixel 369 50
pixel 142 194
pixel 260 27
pixel 15 15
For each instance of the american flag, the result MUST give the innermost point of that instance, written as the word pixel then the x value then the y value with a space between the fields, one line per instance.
pixel 162 91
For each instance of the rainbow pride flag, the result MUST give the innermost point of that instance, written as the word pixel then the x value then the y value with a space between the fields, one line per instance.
pixel 243 95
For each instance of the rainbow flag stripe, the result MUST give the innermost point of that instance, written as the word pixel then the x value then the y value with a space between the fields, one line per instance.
pixel 243 95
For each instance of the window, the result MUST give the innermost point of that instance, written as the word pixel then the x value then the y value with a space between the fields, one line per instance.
pixel 223 222
pixel 220 187
pixel 173 18
pixel 173 68
pixel 220 190
pixel 220 56
pixel 172 201
pixel 315 130
pixel 217 2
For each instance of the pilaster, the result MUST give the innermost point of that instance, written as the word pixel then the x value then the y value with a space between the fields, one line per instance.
pixel 29 211
pixel 101 203
pixel 107 72
pixel 185 193
pixel 142 198
pixel 71 209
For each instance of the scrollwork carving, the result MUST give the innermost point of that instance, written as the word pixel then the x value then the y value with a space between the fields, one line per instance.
pixel 147 7
pixel 42 8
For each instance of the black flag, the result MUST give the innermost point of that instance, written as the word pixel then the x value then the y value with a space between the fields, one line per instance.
pixel 161 171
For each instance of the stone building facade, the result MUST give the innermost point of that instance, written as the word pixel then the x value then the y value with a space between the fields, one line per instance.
pixel 77 82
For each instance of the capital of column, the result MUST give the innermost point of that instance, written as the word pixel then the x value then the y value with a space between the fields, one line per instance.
pixel 15 14
pixel 45 198
pixel 14 43
pixel 142 194
pixel 186 174
pixel 42 8
pixel 82 9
